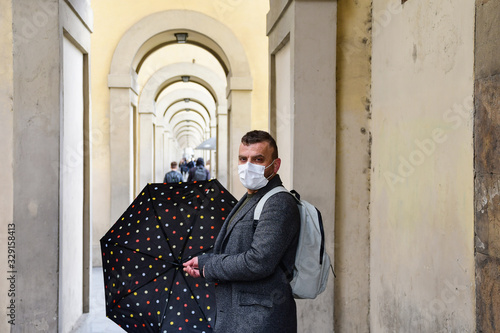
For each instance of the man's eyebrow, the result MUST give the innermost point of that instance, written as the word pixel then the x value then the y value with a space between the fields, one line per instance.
pixel 253 156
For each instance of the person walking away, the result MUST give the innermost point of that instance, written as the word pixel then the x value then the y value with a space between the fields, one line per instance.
pixel 250 258
pixel 184 169
pixel 173 176
pixel 199 172
pixel 190 164
pixel 183 166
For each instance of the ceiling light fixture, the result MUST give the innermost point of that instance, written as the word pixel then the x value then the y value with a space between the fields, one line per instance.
pixel 181 37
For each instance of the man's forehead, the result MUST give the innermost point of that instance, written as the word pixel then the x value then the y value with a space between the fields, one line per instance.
pixel 258 148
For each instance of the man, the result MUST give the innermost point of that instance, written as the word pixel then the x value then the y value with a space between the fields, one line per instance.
pixel 173 176
pixel 199 172
pixel 249 259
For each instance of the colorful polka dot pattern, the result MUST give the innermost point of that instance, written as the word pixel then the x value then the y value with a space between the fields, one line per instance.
pixel 167 224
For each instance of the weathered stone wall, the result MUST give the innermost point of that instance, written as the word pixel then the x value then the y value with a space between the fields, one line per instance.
pixel 422 176
pixel 352 183
pixel 7 293
pixel 36 127
pixel 302 73
pixel 31 98
pixel 487 165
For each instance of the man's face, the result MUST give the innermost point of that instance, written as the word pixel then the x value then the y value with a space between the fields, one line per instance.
pixel 259 153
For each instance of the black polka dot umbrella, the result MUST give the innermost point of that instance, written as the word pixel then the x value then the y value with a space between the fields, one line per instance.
pixel 146 288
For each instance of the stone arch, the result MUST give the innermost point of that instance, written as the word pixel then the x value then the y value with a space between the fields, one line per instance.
pixel 172 73
pixel 195 96
pixel 158 29
pixel 173 102
pixel 175 110
pixel 142 38
pixel 180 128
pixel 159 81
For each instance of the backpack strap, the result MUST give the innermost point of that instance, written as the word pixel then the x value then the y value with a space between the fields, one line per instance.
pixel 256 217
pixel 262 201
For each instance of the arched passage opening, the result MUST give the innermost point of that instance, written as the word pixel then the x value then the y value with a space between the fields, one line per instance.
pixel 167 81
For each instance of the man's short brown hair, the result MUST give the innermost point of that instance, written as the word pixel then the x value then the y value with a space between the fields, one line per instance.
pixel 173 165
pixel 257 136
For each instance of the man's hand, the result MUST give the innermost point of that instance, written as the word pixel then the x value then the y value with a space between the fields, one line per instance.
pixel 191 267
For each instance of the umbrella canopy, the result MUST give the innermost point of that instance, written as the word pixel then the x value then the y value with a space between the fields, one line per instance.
pixel 146 289
pixel 209 144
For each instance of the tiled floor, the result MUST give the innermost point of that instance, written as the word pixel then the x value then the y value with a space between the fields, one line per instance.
pixel 95 321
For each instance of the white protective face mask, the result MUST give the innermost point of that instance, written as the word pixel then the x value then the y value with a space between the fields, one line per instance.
pixel 252 175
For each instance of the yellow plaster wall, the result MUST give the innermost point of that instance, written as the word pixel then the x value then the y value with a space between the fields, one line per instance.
pixel 247 20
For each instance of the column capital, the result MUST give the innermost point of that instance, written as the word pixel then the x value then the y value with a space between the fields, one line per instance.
pixel 239 83
pixel 124 81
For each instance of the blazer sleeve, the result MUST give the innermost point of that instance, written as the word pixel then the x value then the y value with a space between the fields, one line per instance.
pixel 277 227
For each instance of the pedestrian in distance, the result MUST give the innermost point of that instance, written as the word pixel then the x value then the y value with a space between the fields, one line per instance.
pixel 173 176
pixel 190 164
pixel 249 261
pixel 199 172
pixel 184 169
pixel 183 165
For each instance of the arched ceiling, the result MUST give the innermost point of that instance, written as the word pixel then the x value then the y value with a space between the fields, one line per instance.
pixel 185 104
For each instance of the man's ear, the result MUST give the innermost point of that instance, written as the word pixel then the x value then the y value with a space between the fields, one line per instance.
pixel 277 164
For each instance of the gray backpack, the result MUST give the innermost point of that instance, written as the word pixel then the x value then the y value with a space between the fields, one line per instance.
pixel 312 263
pixel 173 177
pixel 200 173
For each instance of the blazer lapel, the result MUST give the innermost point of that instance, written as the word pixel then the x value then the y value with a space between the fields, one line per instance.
pixel 249 205
pixel 234 210
pixel 243 211
pixel 224 229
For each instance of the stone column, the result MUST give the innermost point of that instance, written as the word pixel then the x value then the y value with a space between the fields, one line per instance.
pixel 146 152
pixel 487 166
pixel 121 150
pixel 173 151
pixel 306 32
pixel 39 204
pixel 7 161
pixel 213 153
pixel 169 151
pixel 160 167
pixel 240 97
pixel 222 146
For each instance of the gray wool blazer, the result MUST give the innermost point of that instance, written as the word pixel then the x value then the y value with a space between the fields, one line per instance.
pixel 252 292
